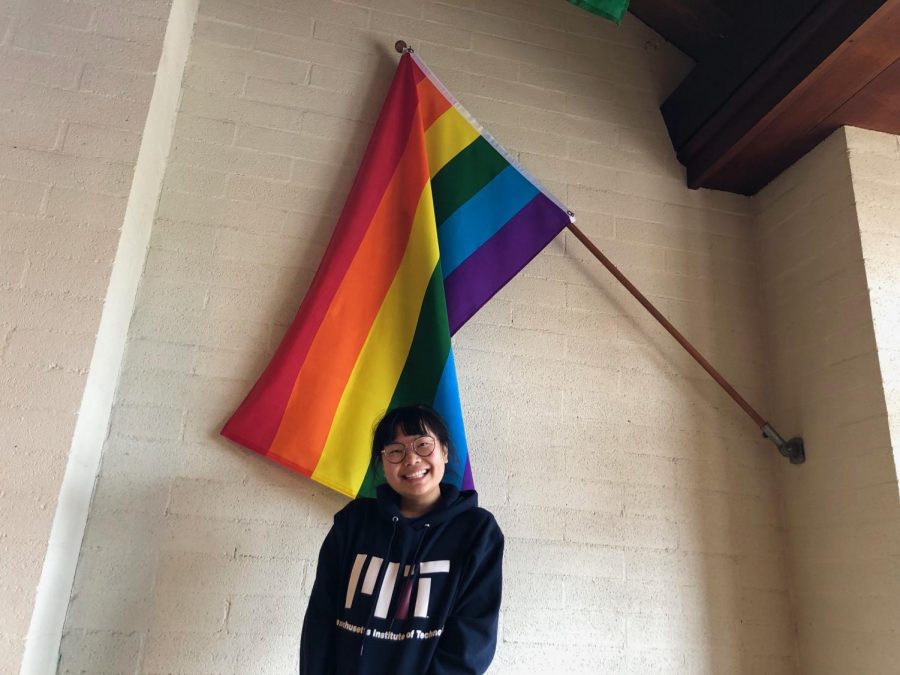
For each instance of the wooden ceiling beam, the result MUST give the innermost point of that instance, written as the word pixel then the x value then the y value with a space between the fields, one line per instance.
pixel 694 26
pixel 763 27
pixel 855 85
pixel 785 93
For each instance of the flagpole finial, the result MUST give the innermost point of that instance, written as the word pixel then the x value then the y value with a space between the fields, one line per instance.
pixel 402 47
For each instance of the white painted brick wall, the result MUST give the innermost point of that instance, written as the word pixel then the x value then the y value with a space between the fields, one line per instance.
pixel 621 560
pixel 828 258
pixel 638 502
pixel 875 168
pixel 75 81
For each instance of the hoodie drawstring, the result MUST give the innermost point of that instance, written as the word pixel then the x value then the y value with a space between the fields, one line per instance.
pixel 381 573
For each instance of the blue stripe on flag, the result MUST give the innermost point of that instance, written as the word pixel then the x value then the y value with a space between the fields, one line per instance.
pixel 482 216
pixel 446 402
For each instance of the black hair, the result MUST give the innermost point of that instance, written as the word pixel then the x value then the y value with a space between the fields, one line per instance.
pixel 410 419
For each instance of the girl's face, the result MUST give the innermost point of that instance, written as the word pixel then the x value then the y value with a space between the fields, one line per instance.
pixel 416 478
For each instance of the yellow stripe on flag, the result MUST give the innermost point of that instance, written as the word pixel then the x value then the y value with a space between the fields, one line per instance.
pixel 450 133
pixel 345 457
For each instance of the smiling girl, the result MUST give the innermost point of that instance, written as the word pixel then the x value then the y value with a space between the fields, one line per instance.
pixel 409 582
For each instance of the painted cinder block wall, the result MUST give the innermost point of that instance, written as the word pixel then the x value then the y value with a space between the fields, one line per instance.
pixel 841 513
pixel 640 506
pixel 875 168
pixel 828 230
pixel 75 84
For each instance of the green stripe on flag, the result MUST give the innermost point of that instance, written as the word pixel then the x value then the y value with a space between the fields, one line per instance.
pixel 463 176
pixel 431 343
pixel 425 362
pixel 613 10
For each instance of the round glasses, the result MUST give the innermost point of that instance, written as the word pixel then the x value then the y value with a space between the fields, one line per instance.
pixel 396 452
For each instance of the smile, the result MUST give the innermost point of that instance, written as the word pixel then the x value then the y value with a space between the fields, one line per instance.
pixel 414 476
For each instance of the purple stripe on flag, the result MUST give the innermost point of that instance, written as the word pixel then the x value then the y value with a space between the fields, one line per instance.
pixel 501 257
pixel 468 482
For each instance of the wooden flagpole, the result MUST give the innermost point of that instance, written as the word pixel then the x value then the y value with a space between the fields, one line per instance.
pixel 792 449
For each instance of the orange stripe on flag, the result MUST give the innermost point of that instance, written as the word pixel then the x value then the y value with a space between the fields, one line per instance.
pixel 432 103
pixel 321 381
pixel 345 457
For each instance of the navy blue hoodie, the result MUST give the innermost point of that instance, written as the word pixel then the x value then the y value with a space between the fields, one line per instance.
pixel 405 596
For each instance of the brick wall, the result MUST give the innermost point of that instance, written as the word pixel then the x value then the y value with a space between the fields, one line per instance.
pixel 75 81
pixel 875 168
pixel 824 283
pixel 638 502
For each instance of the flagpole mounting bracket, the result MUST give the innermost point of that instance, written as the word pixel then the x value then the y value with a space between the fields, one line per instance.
pixel 792 449
pixel 402 47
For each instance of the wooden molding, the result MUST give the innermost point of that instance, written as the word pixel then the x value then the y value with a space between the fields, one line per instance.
pixel 837 64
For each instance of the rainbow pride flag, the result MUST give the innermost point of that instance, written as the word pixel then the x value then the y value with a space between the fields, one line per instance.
pixel 438 219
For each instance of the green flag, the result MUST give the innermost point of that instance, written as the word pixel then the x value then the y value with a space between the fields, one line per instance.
pixel 613 10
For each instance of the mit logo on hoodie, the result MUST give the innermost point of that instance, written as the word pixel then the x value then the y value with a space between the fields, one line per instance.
pixel 388 583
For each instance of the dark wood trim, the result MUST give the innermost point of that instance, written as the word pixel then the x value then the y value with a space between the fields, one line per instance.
pixel 789 102
pixel 756 144
pixel 762 27
pixel 876 106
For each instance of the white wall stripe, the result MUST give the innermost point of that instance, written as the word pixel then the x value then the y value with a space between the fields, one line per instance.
pixel 42 643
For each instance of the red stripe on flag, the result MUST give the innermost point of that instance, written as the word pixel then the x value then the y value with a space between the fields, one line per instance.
pixel 255 423
pixel 334 351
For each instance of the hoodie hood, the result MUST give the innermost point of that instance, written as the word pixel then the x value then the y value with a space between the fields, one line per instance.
pixel 450 504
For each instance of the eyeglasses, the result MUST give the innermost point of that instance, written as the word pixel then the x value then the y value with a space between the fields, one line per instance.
pixel 396 452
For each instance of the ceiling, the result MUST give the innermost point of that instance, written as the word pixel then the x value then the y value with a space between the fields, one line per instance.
pixel 772 79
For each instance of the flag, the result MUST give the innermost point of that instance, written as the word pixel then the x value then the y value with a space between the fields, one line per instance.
pixel 613 10
pixel 438 219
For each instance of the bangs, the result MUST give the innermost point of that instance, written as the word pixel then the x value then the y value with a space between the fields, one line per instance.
pixel 413 420
pixel 410 424
pixel 408 421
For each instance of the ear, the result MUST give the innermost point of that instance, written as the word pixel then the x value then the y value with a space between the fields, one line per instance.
pixel 446 454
